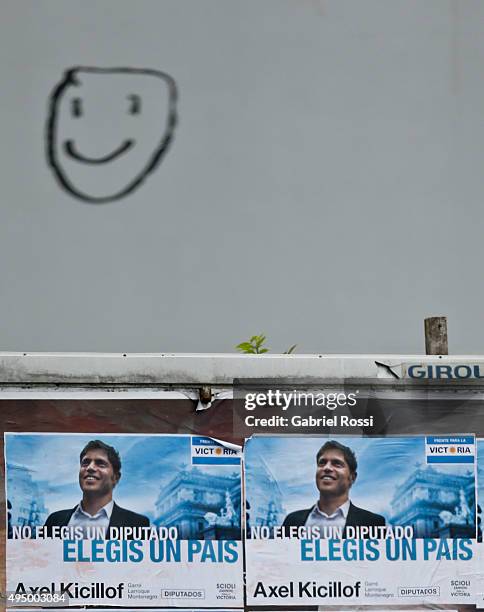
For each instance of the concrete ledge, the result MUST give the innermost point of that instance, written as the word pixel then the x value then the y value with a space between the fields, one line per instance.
pixel 179 369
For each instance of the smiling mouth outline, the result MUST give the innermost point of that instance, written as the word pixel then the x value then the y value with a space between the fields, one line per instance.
pixel 69 149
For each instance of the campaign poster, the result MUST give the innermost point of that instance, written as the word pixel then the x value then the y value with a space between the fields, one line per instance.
pixel 480 506
pixel 125 520
pixel 365 521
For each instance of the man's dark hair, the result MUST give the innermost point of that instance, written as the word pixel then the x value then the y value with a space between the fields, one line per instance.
pixel 111 452
pixel 348 454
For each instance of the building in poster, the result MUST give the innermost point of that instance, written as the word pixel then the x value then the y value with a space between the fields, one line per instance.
pixel 267 509
pixel 190 496
pixel 28 507
pixel 428 495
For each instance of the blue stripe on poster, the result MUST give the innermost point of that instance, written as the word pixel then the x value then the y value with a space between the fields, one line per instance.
pixel 450 459
pixel 215 460
pixel 450 439
pixel 198 441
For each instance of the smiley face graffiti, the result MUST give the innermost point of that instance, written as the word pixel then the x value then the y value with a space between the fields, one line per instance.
pixel 108 129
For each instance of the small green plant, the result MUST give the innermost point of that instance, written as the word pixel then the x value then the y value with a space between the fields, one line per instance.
pixel 255 346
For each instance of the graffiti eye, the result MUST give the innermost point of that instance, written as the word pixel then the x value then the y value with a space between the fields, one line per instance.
pixel 134 104
pixel 76 107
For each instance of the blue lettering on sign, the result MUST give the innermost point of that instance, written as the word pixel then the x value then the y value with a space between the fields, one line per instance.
pixel 445 372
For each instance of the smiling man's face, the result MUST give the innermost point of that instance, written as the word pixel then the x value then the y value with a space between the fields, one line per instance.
pixel 333 475
pixel 108 129
pixel 96 473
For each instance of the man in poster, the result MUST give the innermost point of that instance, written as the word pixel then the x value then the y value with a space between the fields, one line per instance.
pixel 336 472
pixel 99 473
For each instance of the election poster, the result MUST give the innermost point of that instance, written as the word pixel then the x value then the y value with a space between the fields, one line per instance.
pixel 361 521
pixel 131 520
pixel 480 506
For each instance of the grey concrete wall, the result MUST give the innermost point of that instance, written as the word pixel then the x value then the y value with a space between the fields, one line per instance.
pixel 324 184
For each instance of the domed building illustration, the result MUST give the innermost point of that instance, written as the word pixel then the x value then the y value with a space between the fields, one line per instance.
pixel 436 504
pixel 201 506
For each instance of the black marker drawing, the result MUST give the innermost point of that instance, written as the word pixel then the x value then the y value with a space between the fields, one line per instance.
pixel 108 129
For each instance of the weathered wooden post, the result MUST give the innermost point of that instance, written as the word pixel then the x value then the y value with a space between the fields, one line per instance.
pixel 436 342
